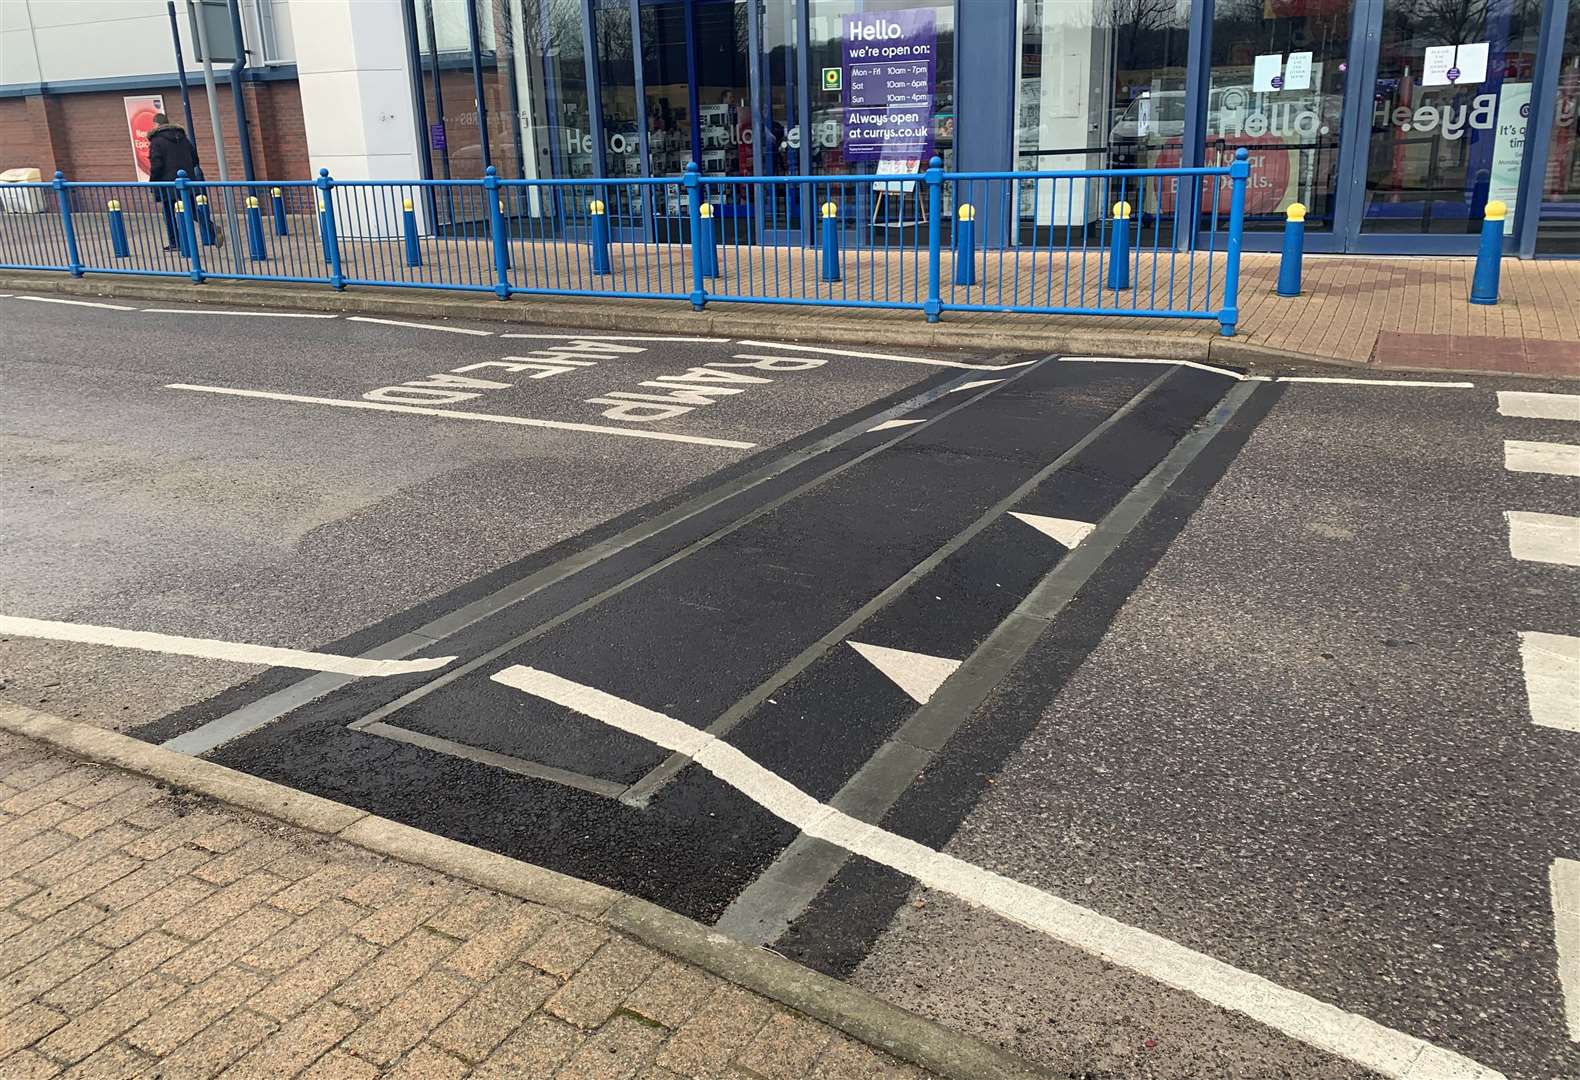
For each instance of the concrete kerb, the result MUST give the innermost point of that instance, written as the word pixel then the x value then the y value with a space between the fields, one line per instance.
pixel 855 1012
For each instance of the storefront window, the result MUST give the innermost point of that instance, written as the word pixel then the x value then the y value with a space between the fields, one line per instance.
pixel 1277 89
pixel 1449 112
pixel 1558 228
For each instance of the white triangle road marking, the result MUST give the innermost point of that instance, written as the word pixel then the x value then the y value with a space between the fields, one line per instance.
pixel 887 424
pixel 918 674
pixel 1067 531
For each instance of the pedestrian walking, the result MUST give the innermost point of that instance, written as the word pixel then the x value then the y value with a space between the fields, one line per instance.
pixel 170 151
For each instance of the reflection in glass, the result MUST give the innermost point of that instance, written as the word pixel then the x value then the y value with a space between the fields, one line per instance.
pixel 1558 229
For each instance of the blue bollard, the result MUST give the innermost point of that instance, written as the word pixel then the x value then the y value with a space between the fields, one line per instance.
pixel 255 245
pixel 205 222
pixel 1119 248
pixel 280 227
pixel 598 212
pixel 965 244
pixel 409 226
pixel 708 242
pixel 181 229
pixel 1294 248
pixel 323 229
pixel 831 241
pixel 1489 256
pixel 118 241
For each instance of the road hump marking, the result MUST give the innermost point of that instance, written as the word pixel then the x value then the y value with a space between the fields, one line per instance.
pixel 1534 406
pixel 1066 531
pixel 918 674
pixel 1547 538
pixel 1554 459
pixel 1552 678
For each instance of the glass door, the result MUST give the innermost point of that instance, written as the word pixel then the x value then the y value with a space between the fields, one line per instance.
pixel 1558 227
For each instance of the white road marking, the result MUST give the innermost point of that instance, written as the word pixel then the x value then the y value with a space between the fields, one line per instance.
pixel 1378 382
pixel 886 356
pixel 887 424
pixel 456 414
pixel 421 326
pixel 1327 1027
pixel 211 649
pixel 1132 360
pixel 1066 531
pixel 1534 406
pixel 974 385
pixel 620 337
pixel 1565 878
pixel 918 674
pixel 1548 538
pixel 1269 378
pixel 1552 678
pixel 1559 459
pixel 249 314
pixel 76 303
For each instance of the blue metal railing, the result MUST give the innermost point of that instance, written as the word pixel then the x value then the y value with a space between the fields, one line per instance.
pixel 1150 243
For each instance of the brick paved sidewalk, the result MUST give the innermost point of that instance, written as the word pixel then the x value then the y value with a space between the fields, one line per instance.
pixel 145 933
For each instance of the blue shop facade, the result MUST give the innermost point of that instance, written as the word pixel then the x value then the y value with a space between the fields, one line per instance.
pixel 1394 122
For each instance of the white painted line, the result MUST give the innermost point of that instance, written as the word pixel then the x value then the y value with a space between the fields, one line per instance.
pixel 5 295
pixel 1565 878
pixel 886 356
pixel 76 303
pixel 421 326
pixel 974 385
pixel 1548 538
pixel 887 424
pixel 1552 678
pixel 210 649
pixel 249 314
pixel 918 674
pixel 1558 459
pixel 1534 406
pixel 619 337
pixel 1378 382
pixel 491 418
pixel 1327 1027
pixel 1131 360
pixel 1066 531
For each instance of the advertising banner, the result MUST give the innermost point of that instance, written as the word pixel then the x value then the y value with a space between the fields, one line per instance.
pixel 1508 147
pixel 890 60
pixel 139 122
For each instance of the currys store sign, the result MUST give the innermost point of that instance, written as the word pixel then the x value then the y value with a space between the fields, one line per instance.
pixel 890 61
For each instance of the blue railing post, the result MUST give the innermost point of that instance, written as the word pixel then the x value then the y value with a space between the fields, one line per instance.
pixel 256 248
pixel 1489 256
pixel 118 240
pixel 599 215
pixel 1294 249
pixel 1119 248
pixel 280 227
pixel 326 222
pixel 708 242
pixel 205 223
pixel 186 226
pixel 1238 173
pixel 693 182
pixel 73 259
pixel 409 227
pixel 965 244
pixel 935 204
pixel 831 267
pixel 496 220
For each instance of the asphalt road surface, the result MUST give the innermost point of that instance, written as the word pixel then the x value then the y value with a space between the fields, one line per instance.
pixel 1145 719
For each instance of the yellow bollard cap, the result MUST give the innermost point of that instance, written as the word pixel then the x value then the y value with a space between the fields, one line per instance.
pixel 595 207
pixel 202 200
pixel 831 209
pixel 1296 211
pixel 115 204
pixel 276 192
pixel 180 206
pixel 706 210
pixel 501 206
pixel 252 202
pixel 320 204
pixel 405 204
pixel 1121 210
pixel 1497 210
pixel 965 211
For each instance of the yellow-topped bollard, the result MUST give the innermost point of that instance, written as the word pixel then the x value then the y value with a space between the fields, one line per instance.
pixel 408 221
pixel 255 245
pixel 1119 247
pixel 118 231
pixel 281 227
pixel 705 245
pixel 965 244
pixel 600 236
pixel 1489 256
pixel 831 263
pixel 1294 250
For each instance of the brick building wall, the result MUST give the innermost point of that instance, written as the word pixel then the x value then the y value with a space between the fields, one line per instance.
pixel 84 135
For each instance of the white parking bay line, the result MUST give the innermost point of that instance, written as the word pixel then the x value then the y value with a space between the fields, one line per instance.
pixel 1389 1052
pixel 621 337
pixel 210 649
pixel 1552 678
pixel 453 414
pixel 249 314
pixel 1534 406
pixel 1565 878
pixel 1558 459
pixel 421 326
pixel 1548 538
pixel 76 303
pixel 884 356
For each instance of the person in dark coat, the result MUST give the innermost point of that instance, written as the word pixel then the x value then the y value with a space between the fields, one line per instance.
pixel 170 151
